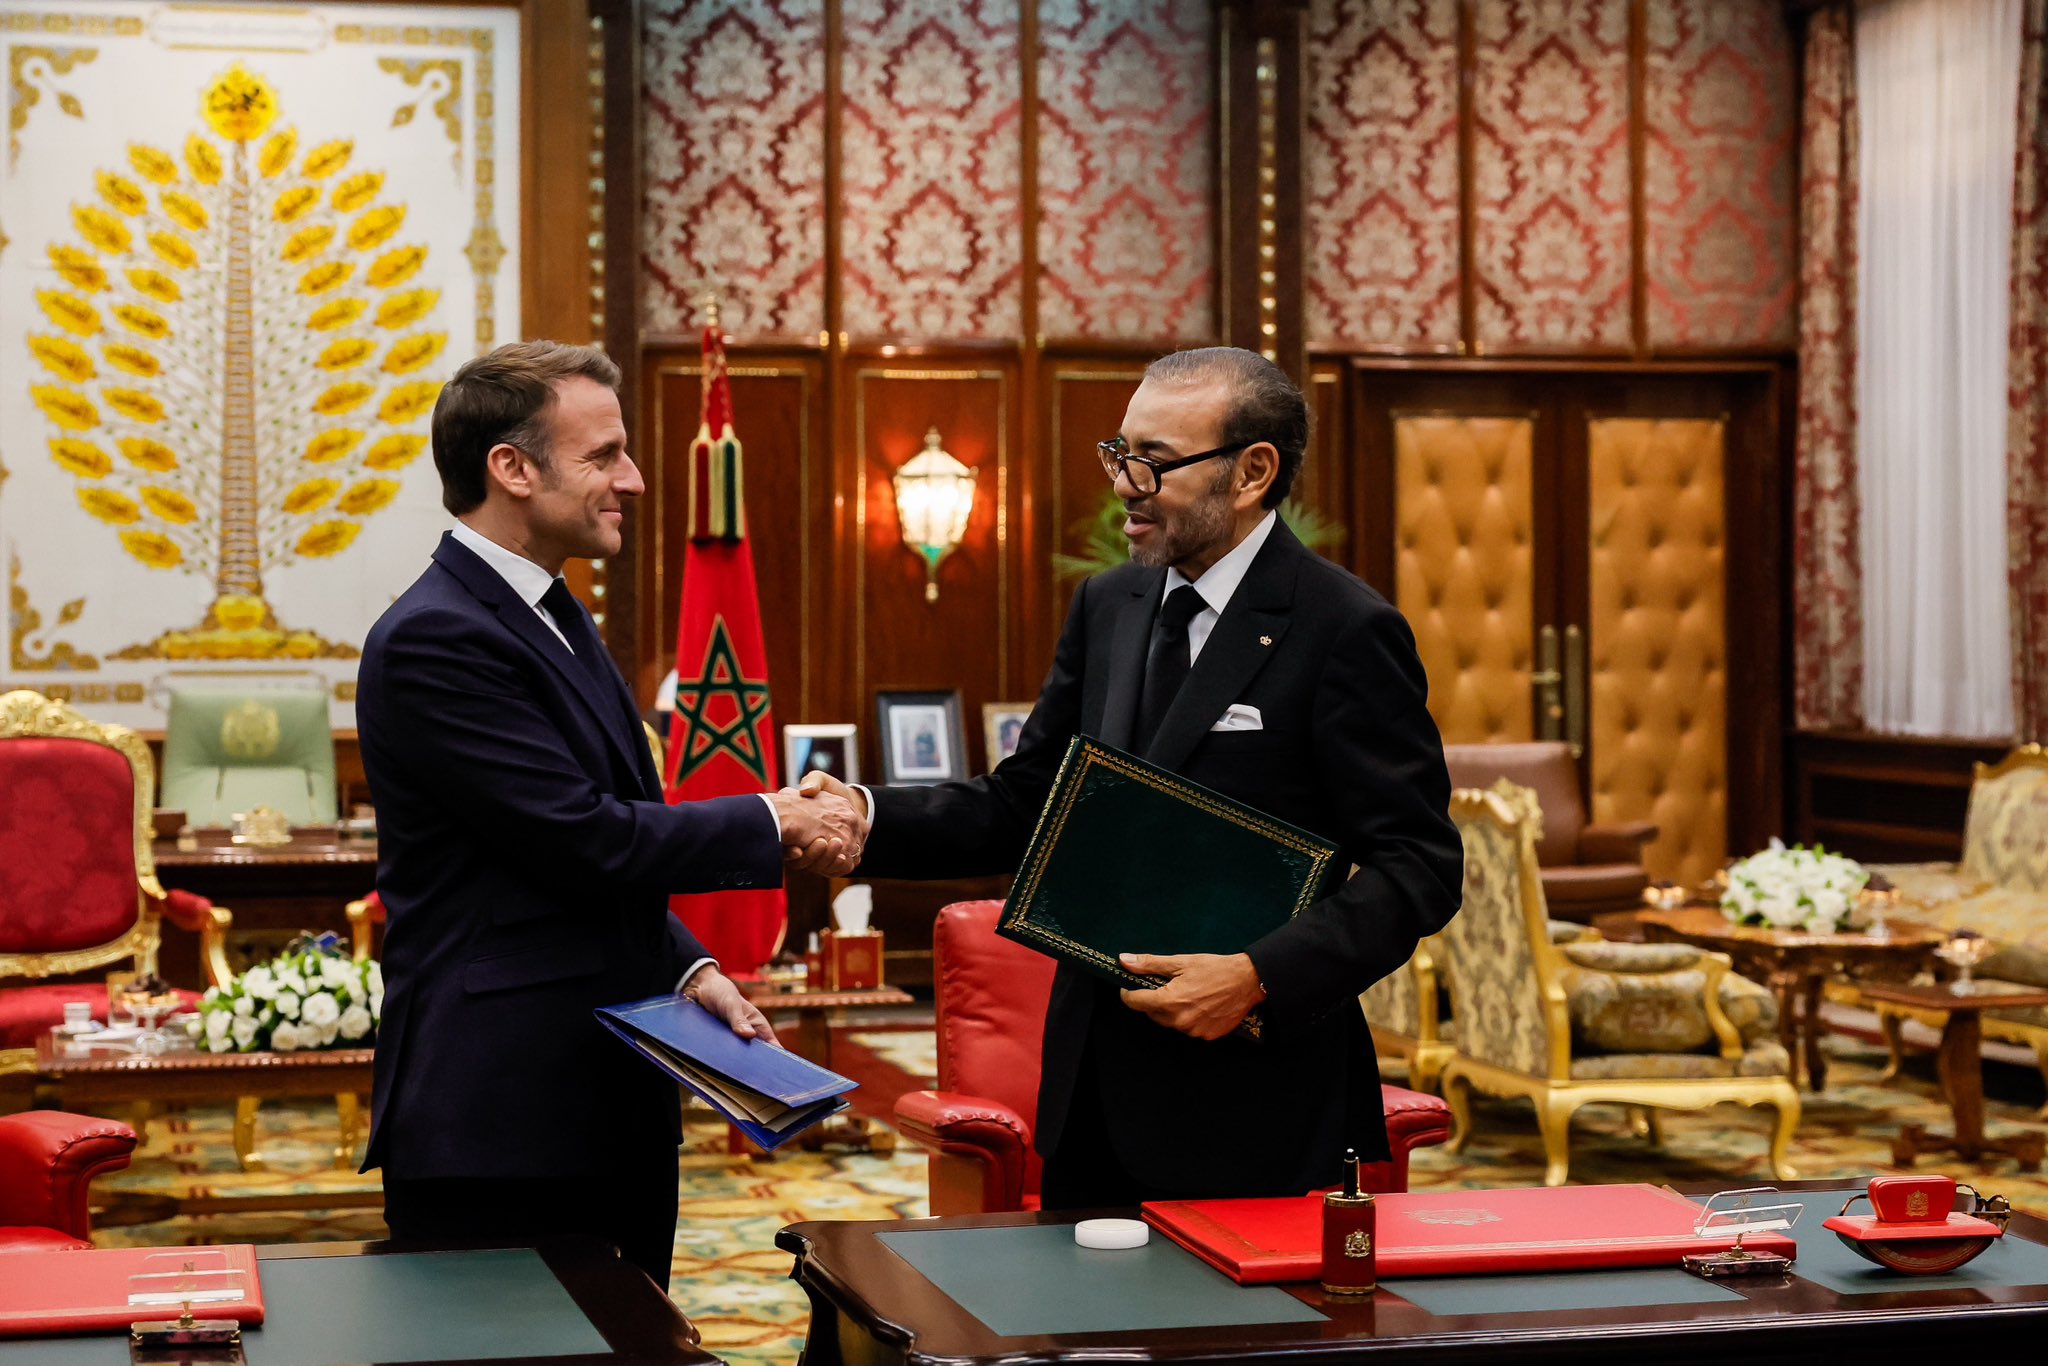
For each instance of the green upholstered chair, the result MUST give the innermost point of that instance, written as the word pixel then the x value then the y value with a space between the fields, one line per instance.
pixel 227 751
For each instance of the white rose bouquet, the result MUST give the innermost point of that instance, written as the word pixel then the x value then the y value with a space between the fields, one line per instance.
pixel 1794 889
pixel 305 999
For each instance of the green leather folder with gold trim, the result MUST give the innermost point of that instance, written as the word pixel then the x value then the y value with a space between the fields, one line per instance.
pixel 1129 858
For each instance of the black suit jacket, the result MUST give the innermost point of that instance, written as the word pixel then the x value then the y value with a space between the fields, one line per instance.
pixel 1347 750
pixel 525 859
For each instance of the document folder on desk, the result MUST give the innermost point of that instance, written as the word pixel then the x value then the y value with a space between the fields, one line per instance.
pixel 767 1093
pixel 1455 1232
pixel 1129 858
pixel 44 1294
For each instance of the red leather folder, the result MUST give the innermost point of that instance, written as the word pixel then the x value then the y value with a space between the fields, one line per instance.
pixel 44 1294
pixel 1453 1233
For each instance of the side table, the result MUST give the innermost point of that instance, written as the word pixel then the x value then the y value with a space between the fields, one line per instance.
pixel 813 1040
pixel 1962 1074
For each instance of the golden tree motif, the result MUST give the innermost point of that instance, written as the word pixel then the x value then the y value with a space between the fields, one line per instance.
pixel 236 365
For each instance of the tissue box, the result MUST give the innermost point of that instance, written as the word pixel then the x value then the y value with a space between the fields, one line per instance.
pixel 852 959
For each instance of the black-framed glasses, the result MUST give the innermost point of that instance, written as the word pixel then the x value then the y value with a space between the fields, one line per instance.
pixel 1145 472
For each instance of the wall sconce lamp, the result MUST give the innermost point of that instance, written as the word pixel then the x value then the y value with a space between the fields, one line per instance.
pixel 934 495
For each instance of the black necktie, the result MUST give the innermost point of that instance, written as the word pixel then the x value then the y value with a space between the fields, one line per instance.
pixel 581 635
pixel 1166 660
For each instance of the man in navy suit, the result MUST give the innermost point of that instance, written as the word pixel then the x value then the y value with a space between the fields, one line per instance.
pixel 526 856
pixel 1229 653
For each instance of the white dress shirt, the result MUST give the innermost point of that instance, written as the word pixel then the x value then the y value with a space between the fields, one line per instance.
pixel 1218 583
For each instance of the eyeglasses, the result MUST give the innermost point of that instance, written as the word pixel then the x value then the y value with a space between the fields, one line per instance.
pixel 1145 472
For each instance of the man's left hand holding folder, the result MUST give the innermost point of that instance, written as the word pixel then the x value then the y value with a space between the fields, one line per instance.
pixel 720 995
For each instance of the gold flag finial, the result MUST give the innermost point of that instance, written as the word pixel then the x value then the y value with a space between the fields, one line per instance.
pixel 711 308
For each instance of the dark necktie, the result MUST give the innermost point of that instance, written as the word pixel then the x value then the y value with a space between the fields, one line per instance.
pixel 577 630
pixel 1166 661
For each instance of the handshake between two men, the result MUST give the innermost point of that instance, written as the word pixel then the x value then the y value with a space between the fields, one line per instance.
pixel 824 825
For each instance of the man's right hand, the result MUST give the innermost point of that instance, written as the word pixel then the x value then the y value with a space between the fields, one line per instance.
pixel 821 833
pixel 818 781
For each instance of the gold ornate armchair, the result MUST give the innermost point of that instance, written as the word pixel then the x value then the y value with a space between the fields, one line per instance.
pixel 1999 889
pixel 78 890
pixel 1586 1022
pixel 1403 1010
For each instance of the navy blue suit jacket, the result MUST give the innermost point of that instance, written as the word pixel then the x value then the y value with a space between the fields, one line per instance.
pixel 525 859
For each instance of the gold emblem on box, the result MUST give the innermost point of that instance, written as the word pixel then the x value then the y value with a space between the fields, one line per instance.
pixel 1358 1243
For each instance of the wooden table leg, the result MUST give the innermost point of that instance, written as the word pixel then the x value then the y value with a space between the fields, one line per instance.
pixel 1809 1024
pixel 1962 1078
pixel 1787 988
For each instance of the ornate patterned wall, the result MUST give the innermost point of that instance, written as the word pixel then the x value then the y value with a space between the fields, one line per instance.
pixel 933 225
pixel 1125 189
pixel 734 158
pixel 1550 174
pixel 1381 178
pixel 1718 166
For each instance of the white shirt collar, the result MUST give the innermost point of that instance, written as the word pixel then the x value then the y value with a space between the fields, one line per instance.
pixel 1221 579
pixel 527 579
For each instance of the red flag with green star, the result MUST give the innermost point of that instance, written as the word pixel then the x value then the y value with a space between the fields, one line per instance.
pixel 722 737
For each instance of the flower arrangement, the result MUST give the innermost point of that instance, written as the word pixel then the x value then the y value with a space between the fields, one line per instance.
pixel 304 999
pixel 1794 888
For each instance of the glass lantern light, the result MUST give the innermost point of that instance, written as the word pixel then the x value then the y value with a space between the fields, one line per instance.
pixel 934 495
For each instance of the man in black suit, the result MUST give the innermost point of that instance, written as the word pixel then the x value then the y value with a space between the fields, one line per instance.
pixel 525 855
pixel 1228 653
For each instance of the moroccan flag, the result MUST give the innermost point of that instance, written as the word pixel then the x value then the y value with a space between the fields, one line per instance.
pixel 722 738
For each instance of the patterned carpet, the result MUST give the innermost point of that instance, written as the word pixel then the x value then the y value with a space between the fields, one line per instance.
pixel 732 1283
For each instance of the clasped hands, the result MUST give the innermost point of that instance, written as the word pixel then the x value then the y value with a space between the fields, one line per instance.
pixel 824 825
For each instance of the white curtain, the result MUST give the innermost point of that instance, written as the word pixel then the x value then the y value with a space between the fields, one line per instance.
pixel 1938 89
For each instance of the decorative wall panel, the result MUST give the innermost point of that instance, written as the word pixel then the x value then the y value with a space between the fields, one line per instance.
pixel 1658 637
pixel 932 219
pixel 1463 568
pixel 734 164
pixel 1125 146
pixel 1550 177
pixel 1718 166
pixel 1381 175
pixel 242 249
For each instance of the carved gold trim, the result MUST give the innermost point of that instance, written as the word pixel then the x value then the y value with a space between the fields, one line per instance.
pixel 593 57
pixel 2026 756
pixel 24 621
pixel 1268 80
pixel 22 97
pixel 415 70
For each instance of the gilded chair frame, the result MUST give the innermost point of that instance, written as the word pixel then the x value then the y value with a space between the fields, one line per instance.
pixel 1425 1050
pixel 1892 1017
pixel 25 714
pixel 1555 1093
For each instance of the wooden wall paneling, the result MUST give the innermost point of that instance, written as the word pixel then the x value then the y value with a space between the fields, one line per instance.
pixel 1887 798
pixel 615 227
pixel 899 639
pixel 1084 398
pixel 778 418
pixel 1259 186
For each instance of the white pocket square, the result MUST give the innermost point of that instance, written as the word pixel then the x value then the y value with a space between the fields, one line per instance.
pixel 1237 716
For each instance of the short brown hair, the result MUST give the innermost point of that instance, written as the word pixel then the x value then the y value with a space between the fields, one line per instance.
pixel 1265 405
pixel 504 398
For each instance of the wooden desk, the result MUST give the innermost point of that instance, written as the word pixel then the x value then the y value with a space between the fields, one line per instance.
pixel 101 1078
pixel 869 1305
pixel 274 892
pixel 390 1301
pixel 1962 1072
pixel 1796 965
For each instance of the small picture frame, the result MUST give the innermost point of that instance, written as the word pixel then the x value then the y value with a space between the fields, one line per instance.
pixel 1001 724
pixel 921 736
pixel 832 749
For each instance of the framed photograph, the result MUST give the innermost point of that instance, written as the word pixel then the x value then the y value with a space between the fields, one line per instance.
pixel 1001 724
pixel 922 738
pixel 831 749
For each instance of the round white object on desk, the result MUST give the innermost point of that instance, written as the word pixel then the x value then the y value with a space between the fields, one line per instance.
pixel 1112 1234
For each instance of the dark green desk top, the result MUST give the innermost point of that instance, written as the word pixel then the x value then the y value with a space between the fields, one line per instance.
pixel 492 1304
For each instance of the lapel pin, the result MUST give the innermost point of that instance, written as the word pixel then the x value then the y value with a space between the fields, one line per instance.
pixel 1265 640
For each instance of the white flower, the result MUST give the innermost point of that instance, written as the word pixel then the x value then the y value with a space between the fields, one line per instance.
pixel 217 1022
pixel 323 1037
pixel 244 1007
pixel 218 1045
pixel 288 1004
pixel 260 983
pixel 355 1022
pixel 335 972
pixel 1798 887
pixel 321 1010
pixel 375 977
pixel 244 1031
pixel 290 979
pixel 287 1038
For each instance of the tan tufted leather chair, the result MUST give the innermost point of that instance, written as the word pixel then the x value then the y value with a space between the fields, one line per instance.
pixel 1587 869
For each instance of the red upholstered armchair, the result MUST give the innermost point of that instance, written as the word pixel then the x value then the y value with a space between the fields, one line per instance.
pixel 1587 869
pixel 78 889
pixel 991 1016
pixel 47 1160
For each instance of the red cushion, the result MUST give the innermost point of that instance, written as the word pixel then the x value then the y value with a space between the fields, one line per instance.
pixel 27 1011
pixel 38 1240
pixel 991 996
pixel 67 845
